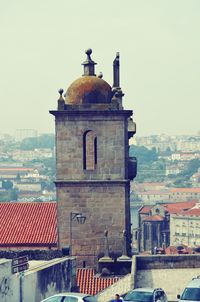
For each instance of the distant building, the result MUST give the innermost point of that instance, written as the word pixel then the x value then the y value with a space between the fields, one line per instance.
pixel 154 224
pixel 28 187
pixel 154 196
pixel 29 155
pixel 172 170
pixel 185 156
pixel 12 173
pixel 185 194
pixel 185 227
pixel 195 178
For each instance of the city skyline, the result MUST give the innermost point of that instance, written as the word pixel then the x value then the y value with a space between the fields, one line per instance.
pixel 43 48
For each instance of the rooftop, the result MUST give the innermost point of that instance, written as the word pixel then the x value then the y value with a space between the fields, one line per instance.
pixel 186 190
pixel 32 224
pixel 90 284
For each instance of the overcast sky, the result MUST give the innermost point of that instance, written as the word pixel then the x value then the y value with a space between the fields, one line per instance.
pixel 43 44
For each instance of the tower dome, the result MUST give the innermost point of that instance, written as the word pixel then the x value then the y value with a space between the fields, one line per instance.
pixel 89 89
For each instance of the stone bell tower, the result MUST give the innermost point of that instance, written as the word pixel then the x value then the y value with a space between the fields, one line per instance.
pixel 92 162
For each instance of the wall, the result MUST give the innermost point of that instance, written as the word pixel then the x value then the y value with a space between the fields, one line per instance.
pixel 36 254
pixel 184 230
pixel 172 273
pixel 172 281
pixel 110 146
pixel 104 205
pixel 42 280
pixel 102 194
pixel 120 287
pixel 167 262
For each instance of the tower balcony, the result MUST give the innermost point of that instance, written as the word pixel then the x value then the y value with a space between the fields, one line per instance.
pixel 132 167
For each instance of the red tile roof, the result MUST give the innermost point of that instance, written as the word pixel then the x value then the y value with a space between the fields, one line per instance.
pixel 191 212
pixel 91 285
pixel 154 218
pixel 178 207
pixel 171 208
pixel 32 224
pixel 145 209
pixel 185 190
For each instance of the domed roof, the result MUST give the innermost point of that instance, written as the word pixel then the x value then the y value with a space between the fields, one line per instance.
pixel 88 90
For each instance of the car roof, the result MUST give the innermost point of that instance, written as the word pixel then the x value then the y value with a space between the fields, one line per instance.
pixel 144 289
pixel 71 294
pixel 195 282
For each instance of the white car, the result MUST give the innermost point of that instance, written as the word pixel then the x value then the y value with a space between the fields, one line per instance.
pixel 70 297
pixel 192 291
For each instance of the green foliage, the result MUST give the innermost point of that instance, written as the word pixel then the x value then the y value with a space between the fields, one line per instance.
pixel 43 141
pixel 150 168
pixel 9 195
pixel 7 184
pixel 143 154
pixel 191 168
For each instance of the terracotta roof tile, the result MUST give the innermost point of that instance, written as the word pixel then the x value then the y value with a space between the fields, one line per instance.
pixel 191 212
pixel 154 218
pixel 145 210
pixel 91 285
pixel 28 224
pixel 178 207
pixel 186 190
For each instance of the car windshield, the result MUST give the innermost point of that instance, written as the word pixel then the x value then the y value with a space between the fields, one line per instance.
pixel 139 296
pixel 191 294
pixel 90 299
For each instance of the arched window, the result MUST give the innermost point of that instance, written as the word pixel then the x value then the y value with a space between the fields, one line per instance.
pixel 89 150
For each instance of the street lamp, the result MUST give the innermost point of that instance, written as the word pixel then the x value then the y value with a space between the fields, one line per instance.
pixel 80 219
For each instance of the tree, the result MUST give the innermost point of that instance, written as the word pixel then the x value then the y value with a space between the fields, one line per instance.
pixel 143 154
pixel 7 184
pixel 42 141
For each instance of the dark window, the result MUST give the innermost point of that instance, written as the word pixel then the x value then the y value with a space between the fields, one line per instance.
pixel 191 294
pixel 146 231
pixel 70 299
pixel 55 299
pixel 139 296
pixel 90 299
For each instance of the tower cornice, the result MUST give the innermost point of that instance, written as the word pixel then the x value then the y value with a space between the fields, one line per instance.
pixel 125 113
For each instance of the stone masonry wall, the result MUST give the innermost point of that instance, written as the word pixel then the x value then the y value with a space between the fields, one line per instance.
pixel 111 149
pixel 103 204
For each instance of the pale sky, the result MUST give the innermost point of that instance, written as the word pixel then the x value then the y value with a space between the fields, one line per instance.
pixel 43 44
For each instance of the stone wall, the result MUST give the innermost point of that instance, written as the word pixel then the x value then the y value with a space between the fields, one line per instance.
pixel 167 261
pixel 112 146
pixel 170 272
pixel 32 254
pixel 173 281
pixel 121 287
pixel 105 207
pixel 39 282
pixel 99 191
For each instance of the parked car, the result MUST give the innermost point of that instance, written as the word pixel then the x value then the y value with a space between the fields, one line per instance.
pixel 192 291
pixel 70 297
pixel 146 295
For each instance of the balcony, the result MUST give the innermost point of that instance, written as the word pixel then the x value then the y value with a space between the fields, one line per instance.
pixel 132 167
pixel 131 128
